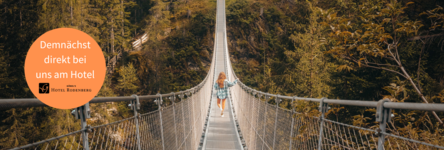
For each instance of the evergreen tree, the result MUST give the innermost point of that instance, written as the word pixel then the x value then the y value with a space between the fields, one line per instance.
pixel 106 90
pixel 313 69
pixel 128 80
pixel 14 127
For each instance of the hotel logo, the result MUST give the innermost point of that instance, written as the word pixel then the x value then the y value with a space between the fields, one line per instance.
pixel 44 88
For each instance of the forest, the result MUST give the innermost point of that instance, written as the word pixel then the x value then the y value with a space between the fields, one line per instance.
pixel 175 57
pixel 345 49
pixel 341 49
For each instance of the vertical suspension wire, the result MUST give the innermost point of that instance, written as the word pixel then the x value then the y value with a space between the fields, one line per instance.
pixel 183 122
pixel 106 137
pixel 329 132
pixel 174 120
pixel 310 141
pixel 253 128
pixel 356 139
pixel 132 135
pixel 250 125
pixel 246 120
pixel 195 118
pixel 72 143
pixel 334 136
pixel 351 139
pixel 145 134
pixel 345 136
pixel 260 139
pixel 80 139
pixel 245 117
pixel 240 108
pixel 188 101
pixel 264 124
pixel 192 119
pixel 276 120
pixel 292 123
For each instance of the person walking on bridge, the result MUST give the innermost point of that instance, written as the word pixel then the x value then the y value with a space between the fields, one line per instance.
pixel 221 86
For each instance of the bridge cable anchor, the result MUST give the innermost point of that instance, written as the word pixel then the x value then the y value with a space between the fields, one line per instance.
pixel 159 104
pixel 322 109
pixel 83 113
pixel 292 119
pixel 159 101
pixel 135 105
pixel 382 116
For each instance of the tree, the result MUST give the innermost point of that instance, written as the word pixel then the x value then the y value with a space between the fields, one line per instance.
pixel 15 129
pixel 128 80
pixel 106 90
pixel 312 69
pixel 374 37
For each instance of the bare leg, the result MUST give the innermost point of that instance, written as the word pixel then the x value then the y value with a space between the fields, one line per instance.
pixel 218 103
pixel 223 104
pixel 223 107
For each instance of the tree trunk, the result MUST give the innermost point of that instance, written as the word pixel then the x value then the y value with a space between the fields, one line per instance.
pixel 112 38
pixel 419 66
pixel 70 9
pixel 406 75
pixel 419 92
pixel 123 18
pixel 261 12
pixel 20 15
pixel 189 14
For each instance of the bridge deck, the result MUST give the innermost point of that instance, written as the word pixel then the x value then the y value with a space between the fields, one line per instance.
pixel 221 131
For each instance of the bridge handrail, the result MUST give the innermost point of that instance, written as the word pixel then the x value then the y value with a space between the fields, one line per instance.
pixel 190 113
pixel 34 102
pixel 317 126
pixel 362 103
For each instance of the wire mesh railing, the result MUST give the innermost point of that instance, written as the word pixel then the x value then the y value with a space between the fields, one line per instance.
pixel 265 125
pixel 178 125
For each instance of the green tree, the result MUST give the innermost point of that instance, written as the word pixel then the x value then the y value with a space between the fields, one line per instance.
pixel 106 90
pixel 15 128
pixel 128 80
pixel 373 38
pixel 312 69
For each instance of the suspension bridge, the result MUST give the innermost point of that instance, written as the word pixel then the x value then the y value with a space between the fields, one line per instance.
pixel 253 119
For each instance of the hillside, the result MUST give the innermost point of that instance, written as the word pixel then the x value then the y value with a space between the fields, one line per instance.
pixel 175 57
pixel 344 49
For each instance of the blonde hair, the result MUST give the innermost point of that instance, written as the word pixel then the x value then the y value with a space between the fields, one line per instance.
pixel 220 80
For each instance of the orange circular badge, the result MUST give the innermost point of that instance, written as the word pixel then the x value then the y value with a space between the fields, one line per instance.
pixel 65 68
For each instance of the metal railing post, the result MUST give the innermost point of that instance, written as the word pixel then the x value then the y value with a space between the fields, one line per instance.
pixel 159 103
pixel 181 96
pixel 265 118
pixel 173 98
pixel 189 111
pixel 292 121
pixel 252 118
pixel 276 119
pixel 322 109
pixel 259 95
pixel 83 113
pixel 382 116
pixel 135 105
pixel 192 114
